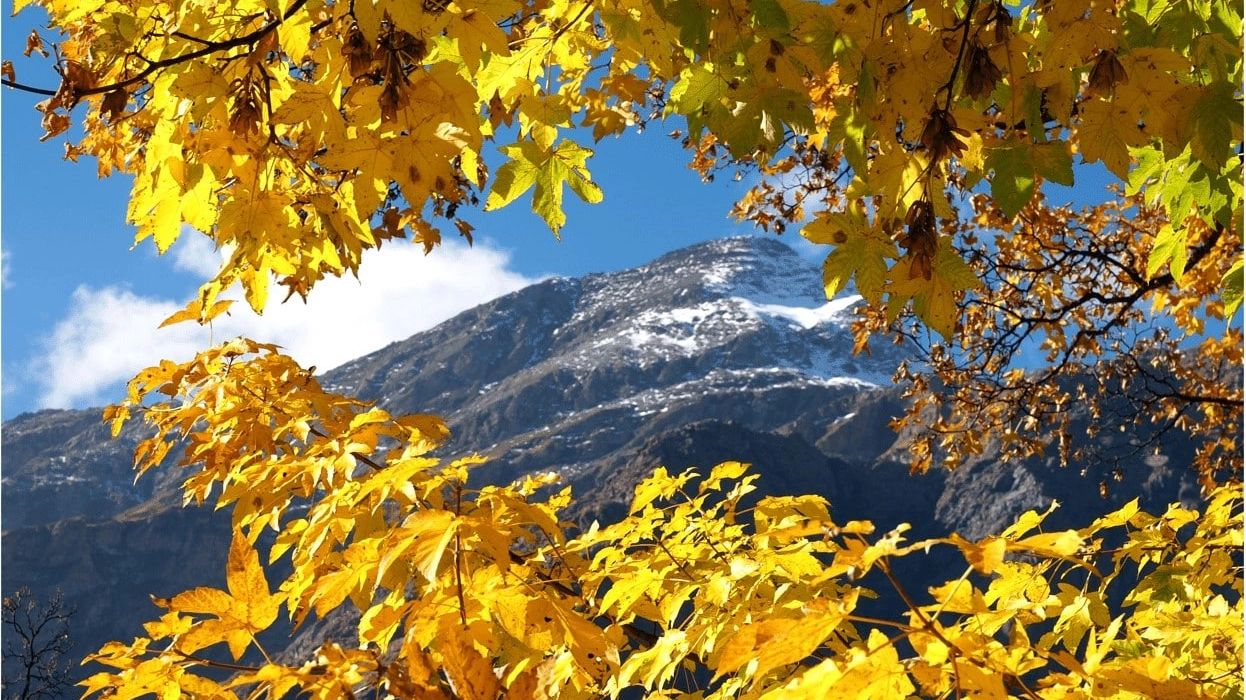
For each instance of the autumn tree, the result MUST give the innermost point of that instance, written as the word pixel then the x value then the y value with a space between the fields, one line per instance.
pixel 916 139
pixel 36 646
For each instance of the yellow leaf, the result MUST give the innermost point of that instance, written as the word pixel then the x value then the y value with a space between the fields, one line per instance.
pixel 1106 133
pixel 254 603
pixel 983 556
pixel 430 532
pixel 657 485
pixel 726 470
pixel 280 679
pixel 777 642
pixel 930 647
pixel 1027 521
pixel 19 5
pixel 1116 518
pixel 203 600
pixel 876 673
pixel 932 285
pixel 861 252
pixel 987 684
pixel 1148 677
pixel 470 673
pixel 194 312
pixel 1053 544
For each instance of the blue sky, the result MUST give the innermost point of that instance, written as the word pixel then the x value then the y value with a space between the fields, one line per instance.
pixel 80 307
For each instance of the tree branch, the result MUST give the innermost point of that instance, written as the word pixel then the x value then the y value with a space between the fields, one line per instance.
pixel 210 47
pixel 26 88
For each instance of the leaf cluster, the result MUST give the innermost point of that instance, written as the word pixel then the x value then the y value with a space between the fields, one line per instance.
pixel 699 592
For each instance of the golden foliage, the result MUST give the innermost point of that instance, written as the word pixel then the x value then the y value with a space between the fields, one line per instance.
pixel 298 134
pixel 486 593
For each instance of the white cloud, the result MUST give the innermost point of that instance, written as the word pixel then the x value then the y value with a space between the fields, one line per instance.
pixel 6 271
pixel 111 333
pixel 195 253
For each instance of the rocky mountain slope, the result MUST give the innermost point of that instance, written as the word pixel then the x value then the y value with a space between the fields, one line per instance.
pixel 725 350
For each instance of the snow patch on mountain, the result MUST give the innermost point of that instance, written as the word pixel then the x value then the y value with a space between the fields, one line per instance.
pixel 837 311
pixel 722 381
pixel 761 269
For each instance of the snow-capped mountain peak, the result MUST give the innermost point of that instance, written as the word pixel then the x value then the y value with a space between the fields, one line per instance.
pixel 744 320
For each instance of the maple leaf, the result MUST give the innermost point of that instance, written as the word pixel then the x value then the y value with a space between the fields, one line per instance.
pixel 1106 133
pixel 934 298
pixel 699 94
pixel 851 130
pixel 249 607
pixel 1231 290
pixel 1019 163
pixel 547 169
pixel 861 252
pixel 1170 247
pixel 1215 123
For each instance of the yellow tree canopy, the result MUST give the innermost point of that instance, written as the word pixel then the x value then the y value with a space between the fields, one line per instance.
pixel 300 134
pixel 915 135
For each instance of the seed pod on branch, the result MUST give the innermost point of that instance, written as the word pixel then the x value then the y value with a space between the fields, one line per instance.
pixel 941 136
pixel 982 74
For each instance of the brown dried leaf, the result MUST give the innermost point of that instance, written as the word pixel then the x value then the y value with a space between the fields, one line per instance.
pixel 34 44
pixel 465 229
pixel 54 123
pixel 78 77
pixel 941 136
pixel 114 104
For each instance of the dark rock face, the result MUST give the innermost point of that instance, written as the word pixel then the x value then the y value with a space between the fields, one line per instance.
pixel 110 568
pixel 725 350
pixel 65 464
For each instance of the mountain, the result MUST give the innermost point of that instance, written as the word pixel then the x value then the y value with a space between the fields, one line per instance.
pixel 724 350
pixel 569 371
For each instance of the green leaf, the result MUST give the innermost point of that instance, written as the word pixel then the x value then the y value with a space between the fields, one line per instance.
pixel 1170 247
pixel 1032 110
pixel 1054 162
pixel 699 93
pixel 1215 123
pixel 1231 290
pixel 770 14
pixel 761 117
pixel 1175 194
pixel 850 129
pixel 547 170
pixel 691 18
pixel 1012 185
pixel 1149 168
pixel 1019 163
